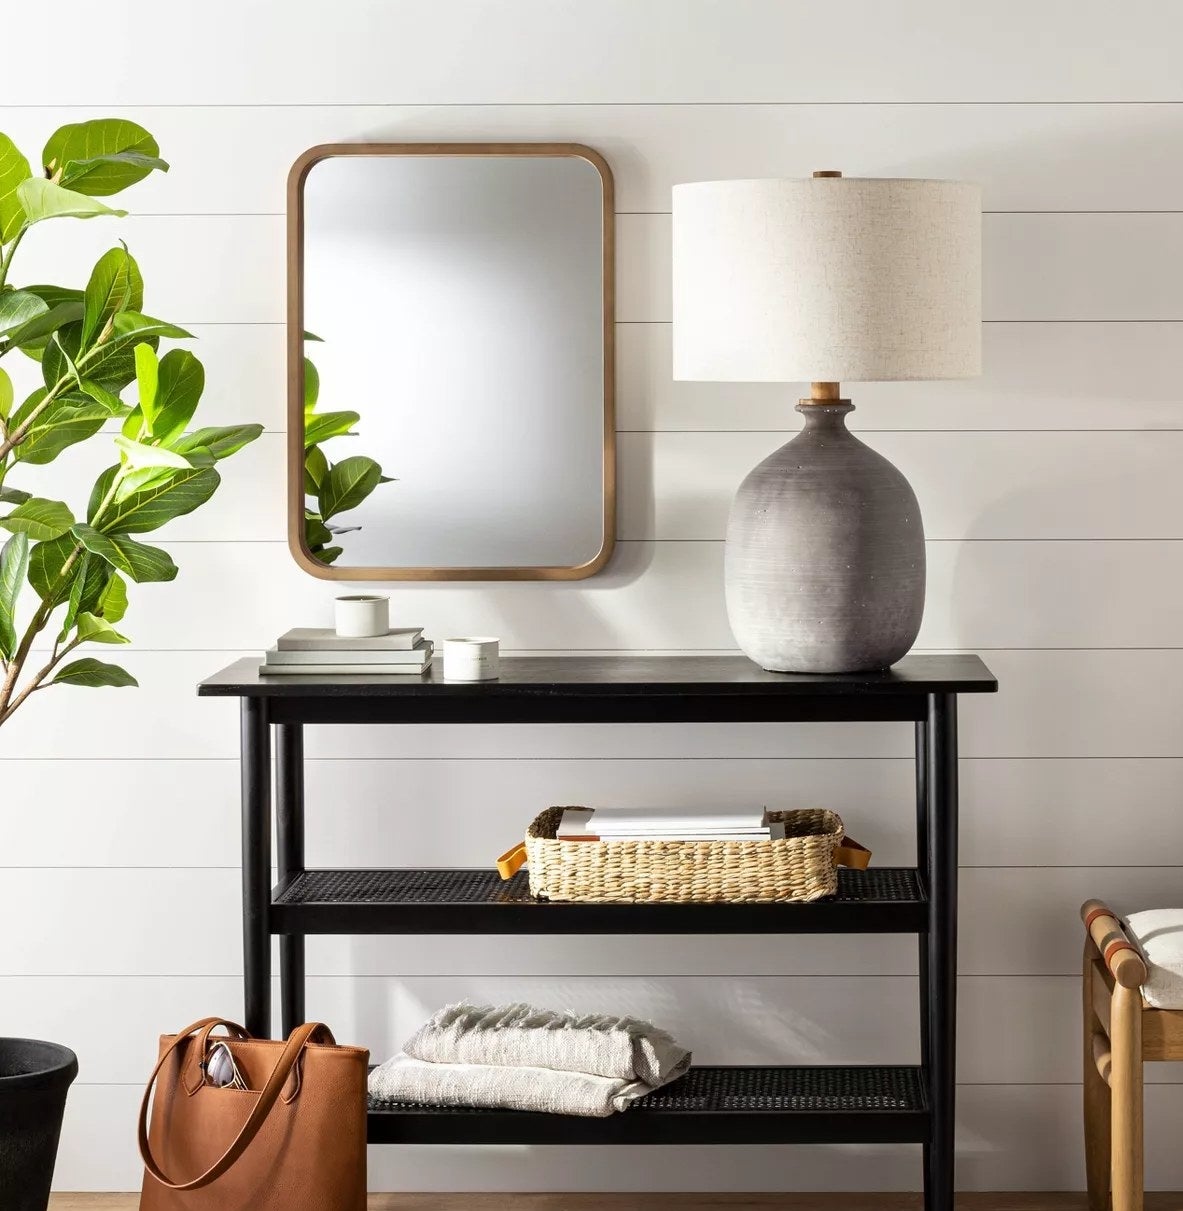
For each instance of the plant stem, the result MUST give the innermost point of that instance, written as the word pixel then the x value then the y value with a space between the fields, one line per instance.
pixel 18 434
pixel 38 622
pixel 37 681
pixel 6 259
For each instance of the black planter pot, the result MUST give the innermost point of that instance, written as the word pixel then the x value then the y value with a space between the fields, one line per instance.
pixel 34 1079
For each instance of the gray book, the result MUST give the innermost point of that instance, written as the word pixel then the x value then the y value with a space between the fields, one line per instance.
pixel 394 658
pixel 325 639
pixel 341 670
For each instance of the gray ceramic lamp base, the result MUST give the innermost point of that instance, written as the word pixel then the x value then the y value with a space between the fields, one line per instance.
pixel 825 554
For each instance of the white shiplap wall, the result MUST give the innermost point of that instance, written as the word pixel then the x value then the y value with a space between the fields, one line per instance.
pixel 1050 490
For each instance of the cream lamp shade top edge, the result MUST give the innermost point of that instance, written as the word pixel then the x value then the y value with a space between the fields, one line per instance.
pixel 826 279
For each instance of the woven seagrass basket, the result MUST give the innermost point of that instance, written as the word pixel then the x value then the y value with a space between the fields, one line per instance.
pixel 801 867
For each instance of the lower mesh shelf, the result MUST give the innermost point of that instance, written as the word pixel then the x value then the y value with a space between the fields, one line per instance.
pixel 708 1105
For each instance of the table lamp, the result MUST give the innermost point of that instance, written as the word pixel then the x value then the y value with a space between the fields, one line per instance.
pixel 823 280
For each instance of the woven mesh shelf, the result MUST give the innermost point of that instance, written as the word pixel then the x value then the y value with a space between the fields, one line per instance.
pixel 876 885
pixel 798 1090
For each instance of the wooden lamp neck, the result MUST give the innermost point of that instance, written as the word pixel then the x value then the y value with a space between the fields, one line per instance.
pixel 824 393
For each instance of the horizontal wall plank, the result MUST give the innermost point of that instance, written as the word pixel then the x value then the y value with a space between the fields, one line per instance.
pixel 665 50
pixel 392 812
pixel 742 1020
pixel 1051 704
pixel 970 485
pixel 197 268
pixel 1095 376
pixel 230 268
pixel 995 1127
pixel 1013 922
pixel 980 485
pixel 669 596
pixel 1026 157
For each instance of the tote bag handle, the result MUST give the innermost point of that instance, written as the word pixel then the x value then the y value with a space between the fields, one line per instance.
pixel 289 1057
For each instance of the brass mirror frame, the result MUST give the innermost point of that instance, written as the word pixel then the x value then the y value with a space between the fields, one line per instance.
pixel 295 360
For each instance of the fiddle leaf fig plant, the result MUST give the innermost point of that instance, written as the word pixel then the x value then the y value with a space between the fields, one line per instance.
pixel 331 488
pixel 64 571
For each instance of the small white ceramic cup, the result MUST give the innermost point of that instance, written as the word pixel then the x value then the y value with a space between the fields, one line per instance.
pixel 471 659
pixel 361 616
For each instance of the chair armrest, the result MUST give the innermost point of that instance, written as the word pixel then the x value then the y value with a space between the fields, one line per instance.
pixel 1118 951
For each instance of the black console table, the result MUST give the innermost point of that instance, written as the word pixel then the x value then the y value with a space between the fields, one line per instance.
pixel 816 1104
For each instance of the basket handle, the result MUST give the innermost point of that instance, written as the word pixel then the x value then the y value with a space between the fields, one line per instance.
pixel 848 852
pixel 512 861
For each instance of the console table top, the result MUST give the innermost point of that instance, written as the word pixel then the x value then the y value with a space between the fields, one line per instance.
pixel 559 677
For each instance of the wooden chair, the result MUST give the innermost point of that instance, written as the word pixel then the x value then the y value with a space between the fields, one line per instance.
pixel 1120 1032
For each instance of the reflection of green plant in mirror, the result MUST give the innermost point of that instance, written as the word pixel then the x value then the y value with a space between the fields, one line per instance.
pixel 331 488
pixel 91 345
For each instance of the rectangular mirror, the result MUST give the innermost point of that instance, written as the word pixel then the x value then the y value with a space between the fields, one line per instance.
pixel 450 362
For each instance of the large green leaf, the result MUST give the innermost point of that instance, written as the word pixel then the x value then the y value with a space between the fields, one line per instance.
pixel 43 199
pixel 113 600
pixel 316 467
pixel 105 399
pixel 6 396
pixel 36 332
pixel 18 307
pixel 66 421
pixel 320 426
pixel 220 442
pixel 347 484
pixel 182 380
pixel 98 493
pixel 53 295
pixel 102 156
pixel 93 629
pixel 115 285
pixel 39 518
pixel 136 560
pixel 14 561
pixel 311 386
pixel 93 673
pixel 13 496
pixel 147 383
pixel 77 588
pixel 316 533
pixel 111 365
pixel 132 326
pixel 139 455
pixel 89 578
pixel 14 169
pixel 159 502
pixel 46 561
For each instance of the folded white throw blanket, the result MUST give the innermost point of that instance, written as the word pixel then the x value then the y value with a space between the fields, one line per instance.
pixel 521 1058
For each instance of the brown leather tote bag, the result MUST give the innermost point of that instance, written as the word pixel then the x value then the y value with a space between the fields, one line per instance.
pixel 293 1140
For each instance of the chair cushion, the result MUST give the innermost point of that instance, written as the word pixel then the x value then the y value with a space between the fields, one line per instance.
pixel 1159 934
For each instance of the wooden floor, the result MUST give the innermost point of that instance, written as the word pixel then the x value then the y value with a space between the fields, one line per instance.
pixel 669 1202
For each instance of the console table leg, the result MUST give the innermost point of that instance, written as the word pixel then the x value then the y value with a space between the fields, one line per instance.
pixel 923 873
pixel 256 866
pixel 941 778
pixel 289 828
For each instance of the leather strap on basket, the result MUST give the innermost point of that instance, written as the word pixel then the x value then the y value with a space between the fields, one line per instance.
pixel 849 852
pixel 289 1057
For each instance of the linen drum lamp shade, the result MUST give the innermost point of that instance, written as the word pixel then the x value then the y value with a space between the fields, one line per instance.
pixel 820 280
pixel 826 279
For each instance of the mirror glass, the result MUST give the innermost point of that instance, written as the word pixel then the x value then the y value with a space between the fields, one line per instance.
pixel 456 420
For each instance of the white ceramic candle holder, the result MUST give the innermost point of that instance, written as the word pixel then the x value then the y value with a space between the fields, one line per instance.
pixel 361 616
pixel 471 659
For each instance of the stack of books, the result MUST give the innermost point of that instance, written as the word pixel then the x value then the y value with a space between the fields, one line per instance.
pixel 668 824
pixel 321 651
